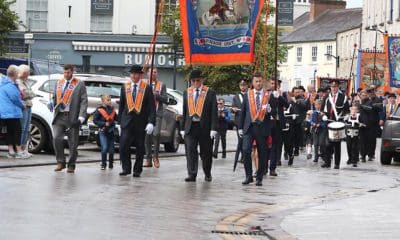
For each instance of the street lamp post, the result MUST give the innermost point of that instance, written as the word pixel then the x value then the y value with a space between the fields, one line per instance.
pixel 337 58
pixel 315 83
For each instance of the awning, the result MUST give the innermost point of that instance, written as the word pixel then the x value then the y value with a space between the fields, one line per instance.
pixel 118 47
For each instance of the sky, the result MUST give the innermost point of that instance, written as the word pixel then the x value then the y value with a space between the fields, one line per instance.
pixel 354 3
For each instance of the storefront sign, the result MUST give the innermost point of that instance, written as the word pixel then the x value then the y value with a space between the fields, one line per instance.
pixel 159 60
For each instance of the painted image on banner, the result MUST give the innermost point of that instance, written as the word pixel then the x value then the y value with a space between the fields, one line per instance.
pixel 394 60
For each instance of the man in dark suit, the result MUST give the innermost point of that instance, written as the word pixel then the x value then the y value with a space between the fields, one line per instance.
pixel 137 118
pixel 237 103
pixel 200 124
pixel 335 106
pixel 71 104
pixel 255 124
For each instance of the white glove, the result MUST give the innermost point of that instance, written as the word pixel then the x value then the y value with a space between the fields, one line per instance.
pixel 182 134
pixel 213 134
pixel 149 128
pixel 276 94
pixel 240 132
pixel 294 116
pixel 324 118
pixel 81 119
pixel 266 107
pixel 346 117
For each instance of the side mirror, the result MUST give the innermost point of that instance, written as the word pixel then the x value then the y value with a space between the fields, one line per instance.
pixel 172 101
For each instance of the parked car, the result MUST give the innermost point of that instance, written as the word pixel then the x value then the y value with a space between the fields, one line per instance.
pixel 37 66
pixel 390 147
pixel 111 85
pixel 228 98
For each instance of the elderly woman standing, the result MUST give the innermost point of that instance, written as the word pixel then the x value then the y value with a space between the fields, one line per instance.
pixel 27 96
pixel 11 111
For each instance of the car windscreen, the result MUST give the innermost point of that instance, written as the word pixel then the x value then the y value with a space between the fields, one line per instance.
pixel 95 89
pixel 48 86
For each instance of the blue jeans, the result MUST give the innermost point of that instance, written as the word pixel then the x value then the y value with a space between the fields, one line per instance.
pixel 25 124
pixel 107 146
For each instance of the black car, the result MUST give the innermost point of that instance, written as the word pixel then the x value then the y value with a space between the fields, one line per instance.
pixel 390 147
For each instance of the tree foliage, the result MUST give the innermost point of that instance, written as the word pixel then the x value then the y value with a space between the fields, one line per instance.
pixel 9 21
pixel 225 79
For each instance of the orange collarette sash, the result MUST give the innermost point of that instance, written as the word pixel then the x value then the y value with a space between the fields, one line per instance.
pixel 253 106
pixel 157 89
pixel 66 99
pixel 196 110
pixel 132 104
pixel 388 109
pixel 311 97
pixel 108 117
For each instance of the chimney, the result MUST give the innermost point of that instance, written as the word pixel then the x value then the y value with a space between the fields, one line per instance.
pixel 317 7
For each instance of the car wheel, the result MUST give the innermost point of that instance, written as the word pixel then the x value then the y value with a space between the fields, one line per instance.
pixel 386 158
pixel 173 146
pixel 38 137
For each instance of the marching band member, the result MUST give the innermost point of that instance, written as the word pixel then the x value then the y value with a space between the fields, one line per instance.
pixel 335 105
pixel 352 132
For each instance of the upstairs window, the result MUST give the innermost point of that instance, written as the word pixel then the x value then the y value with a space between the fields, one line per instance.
pixel 36 15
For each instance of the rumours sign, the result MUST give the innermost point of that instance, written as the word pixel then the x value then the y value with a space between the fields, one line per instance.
pixel 161 60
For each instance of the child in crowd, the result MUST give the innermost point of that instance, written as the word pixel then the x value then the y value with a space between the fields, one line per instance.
pixel 352 135
pixel 104 117
pixel 224 116
pixel 319 131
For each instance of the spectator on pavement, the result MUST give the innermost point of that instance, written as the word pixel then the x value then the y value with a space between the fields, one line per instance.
pixel 27 95
pixel 11 111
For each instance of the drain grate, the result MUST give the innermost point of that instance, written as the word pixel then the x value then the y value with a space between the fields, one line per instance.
pixel 255 231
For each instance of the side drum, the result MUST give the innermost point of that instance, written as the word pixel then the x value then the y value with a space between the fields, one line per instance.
pixel 336 131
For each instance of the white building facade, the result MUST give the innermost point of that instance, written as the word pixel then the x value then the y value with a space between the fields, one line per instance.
pixel 348 42
pixel 94 16
pixel 383 15
pixel 305 61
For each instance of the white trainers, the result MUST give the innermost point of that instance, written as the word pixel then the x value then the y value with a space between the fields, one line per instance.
pixel 11 155
pixel 21 155
pixel 28 153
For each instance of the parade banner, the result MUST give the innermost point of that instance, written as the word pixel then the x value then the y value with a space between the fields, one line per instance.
pixel 219 32
pixel 393 47
pixel 365 70
pixel 344 84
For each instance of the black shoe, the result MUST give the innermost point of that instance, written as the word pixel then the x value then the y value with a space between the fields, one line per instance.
pixel 136 174
pixel 336 167
pixel 325 165
pixel 348 162
pixel 190 179
pixel 273 173
pixel 123 173
pixel 296 153
pixel 259 183
pixel 279 163
pixel 354 164
pixel 103 167
pixel 315 160
pixel 208 178
pixel 111 165
pixel 223 155
pixel 247 181
pixel 285 156
pixel 363 159
pixel 309 156
pixel 372 158
pixel 215 155
pixel 290 163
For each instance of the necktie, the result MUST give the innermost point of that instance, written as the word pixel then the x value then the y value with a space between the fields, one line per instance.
pixel 134 92
pixel 196 97
pixel 258 103
pixel 391 109
pixel 334 102
pixel 65 88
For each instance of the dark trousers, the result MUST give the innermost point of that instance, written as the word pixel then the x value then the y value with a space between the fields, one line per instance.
pixel 333 148
pixel 288 140
pixel 107 147
pixel 367 142
pixel 197 136
pixel 276 150
pixel 254 133
pixel 221 135
pixel 239 147
pixel 13 131
pixel 298 137
pixel 352 149
pixel 132 135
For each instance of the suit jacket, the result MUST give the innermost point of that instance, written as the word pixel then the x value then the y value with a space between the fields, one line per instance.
pixel 78 103
pixel 279 104
pixel 342 106
pixel 236 102
pixel 162 99
pixel 146 115
pixel 209 117
pixel 245 119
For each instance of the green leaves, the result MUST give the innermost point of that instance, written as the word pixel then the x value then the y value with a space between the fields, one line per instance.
pixel 9 21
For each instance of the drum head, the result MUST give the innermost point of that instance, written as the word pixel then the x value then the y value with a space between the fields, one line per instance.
pixel 336 125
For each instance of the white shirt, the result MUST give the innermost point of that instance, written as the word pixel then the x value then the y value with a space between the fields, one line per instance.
pixel 196 119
